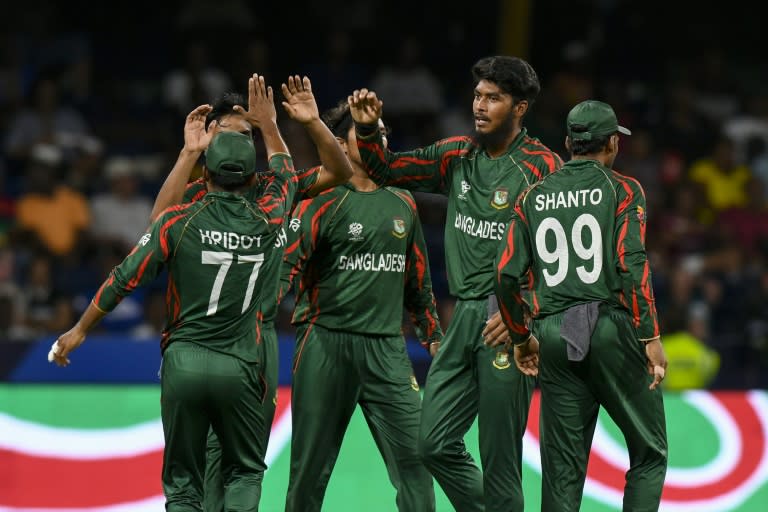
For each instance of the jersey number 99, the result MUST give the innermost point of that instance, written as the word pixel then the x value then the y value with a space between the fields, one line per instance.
pixel 561 253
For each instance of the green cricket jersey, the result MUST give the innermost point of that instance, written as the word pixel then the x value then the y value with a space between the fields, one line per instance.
pixel 480 190
pixel 361 257
pixel 306 180
pixel 214 249
pixel 581 231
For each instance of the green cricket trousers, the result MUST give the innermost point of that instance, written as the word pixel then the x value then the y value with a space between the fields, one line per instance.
pixel 613 375
pixel 214 480
pixel 334 372
pixel 467 379
pixel 203 389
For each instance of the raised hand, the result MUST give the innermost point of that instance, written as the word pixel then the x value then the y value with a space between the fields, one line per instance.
pixel 299 101
pixel 261 103
pixel 365 106
pixel 196 137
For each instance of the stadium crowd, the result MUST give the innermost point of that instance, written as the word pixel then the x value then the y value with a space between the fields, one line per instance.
pixel 90 126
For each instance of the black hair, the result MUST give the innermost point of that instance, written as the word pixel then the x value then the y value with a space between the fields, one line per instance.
pixel 224 106
pixel 228 182
pixel 512 74
pixel 589 147
pixel 338 119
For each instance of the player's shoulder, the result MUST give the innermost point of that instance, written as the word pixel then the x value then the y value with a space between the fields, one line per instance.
pixel 545 159
pixel 403 195
pixel 627 183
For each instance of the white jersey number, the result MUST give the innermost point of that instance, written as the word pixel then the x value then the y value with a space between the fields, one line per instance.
pixel 224 260
pixel 560 254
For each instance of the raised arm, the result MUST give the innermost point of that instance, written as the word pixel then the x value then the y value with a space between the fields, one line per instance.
pixel 301 106
pixel 261 114
pixel 423 169
pixel 196 139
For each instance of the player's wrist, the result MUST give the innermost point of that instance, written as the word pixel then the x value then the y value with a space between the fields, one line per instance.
pixel 646 341
pixel 525 341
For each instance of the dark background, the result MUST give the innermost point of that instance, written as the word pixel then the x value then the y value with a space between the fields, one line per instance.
pixel 689 81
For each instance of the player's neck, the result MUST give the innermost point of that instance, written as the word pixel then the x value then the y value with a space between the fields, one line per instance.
pixel 361 181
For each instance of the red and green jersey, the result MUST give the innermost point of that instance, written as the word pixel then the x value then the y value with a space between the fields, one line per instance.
pixel 581 231
pixel 214 250
pixel 361 257
pixel 480 190
pixel 306 180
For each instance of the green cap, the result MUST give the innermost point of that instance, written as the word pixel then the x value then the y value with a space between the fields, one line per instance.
pixel 591 119
pixel 231 154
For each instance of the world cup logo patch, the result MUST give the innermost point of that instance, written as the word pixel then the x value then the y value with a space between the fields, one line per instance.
pixel 500 199
pixel 398 228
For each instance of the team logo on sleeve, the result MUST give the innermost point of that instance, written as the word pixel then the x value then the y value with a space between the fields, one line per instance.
pixel 501 362
pixel 144 240
pixel 640 214
pixel 356 232
pixel 500 199
pixel 398 228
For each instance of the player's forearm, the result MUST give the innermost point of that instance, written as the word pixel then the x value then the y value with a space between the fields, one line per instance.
pixel 273 140
pixel 90 318
pixel 511 308
pixel 172 190
pixel 334 161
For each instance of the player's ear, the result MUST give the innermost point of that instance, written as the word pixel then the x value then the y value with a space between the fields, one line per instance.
pixel 568 143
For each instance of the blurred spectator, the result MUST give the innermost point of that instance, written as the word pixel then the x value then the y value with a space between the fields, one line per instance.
pixel 46 120
pixel 335 73
pixel 12 326
pixel 197 81
pixel 46 308
pixel 120 214
pixel 51 214
pixel 725 182
pixel 412 95
pixel 692 364
pixel 153 319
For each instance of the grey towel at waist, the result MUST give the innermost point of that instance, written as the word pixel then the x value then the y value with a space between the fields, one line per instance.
pixel 577 327
pixel 493 305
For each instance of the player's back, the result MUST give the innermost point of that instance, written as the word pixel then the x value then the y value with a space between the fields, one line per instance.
pixel 215 283
pixel 571 219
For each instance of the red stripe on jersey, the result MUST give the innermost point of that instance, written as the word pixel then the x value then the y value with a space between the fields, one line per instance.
pixel 300 175
pixel 448 156
pixel 552 160
pixel 535 170
pixel 421 266
pixel 173 300
pixel 509 251
pixel 458 138
pixel 314 224
pixel 104 285
pixel 620 250
pixel 134 282
pixel 407 198
pixel 164 233
pixel 431 322
pixel 635 308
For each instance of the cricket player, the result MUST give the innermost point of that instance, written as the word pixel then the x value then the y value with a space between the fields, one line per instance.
pixel 358 256
pixel 211 375
pixel 481 175
pixel 228 114
pixel 595 339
